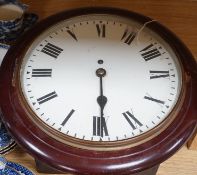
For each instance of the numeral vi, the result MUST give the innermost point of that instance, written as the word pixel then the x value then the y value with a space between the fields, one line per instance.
pixel 99 126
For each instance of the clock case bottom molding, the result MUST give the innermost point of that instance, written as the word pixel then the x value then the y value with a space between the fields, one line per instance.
pixel 44 168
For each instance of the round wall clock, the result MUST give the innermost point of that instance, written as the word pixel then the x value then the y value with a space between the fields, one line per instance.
pixel 99 91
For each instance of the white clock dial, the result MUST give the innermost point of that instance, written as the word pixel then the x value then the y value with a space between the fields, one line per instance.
pixel 141 86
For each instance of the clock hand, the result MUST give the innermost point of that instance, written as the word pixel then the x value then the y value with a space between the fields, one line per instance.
pixel 101 100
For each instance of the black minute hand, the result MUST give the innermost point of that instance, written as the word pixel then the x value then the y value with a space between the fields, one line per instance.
pixel 102 100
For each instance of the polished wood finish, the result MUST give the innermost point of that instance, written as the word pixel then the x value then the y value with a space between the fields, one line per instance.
pixel 181 163
pixel 192 143
pixel 43 168
pixel 151 171
pixel 184 124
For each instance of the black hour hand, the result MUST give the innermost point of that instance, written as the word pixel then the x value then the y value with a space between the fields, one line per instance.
pixel 102 100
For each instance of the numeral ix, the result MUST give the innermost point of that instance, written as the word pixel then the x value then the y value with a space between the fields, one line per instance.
pixel 41 72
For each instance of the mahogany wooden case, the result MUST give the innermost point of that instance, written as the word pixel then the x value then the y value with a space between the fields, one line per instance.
pixel 73 159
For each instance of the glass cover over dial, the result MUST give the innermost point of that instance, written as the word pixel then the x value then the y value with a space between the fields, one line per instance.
pixel 100 78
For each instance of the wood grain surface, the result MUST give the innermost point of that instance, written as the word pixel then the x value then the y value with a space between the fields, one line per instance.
pixel 178 15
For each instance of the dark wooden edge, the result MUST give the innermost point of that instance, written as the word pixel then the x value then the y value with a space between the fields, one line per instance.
pixel 150 171
pixel 75 160
pixel 192 143
pixel 43 168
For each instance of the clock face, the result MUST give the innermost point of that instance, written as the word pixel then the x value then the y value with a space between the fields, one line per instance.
pixel 100 78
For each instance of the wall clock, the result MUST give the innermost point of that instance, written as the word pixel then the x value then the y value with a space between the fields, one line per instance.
pixel 99 91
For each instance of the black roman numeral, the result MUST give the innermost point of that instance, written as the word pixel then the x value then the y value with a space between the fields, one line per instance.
pixel 51 50
pixel 128 37
pixel 150 52
pixel 159 74
pixel 132 120
pixel 101 30
pixel 72 35
pixel 99 126
pixel 41 72
pixel 47 97
pixel 154 100
pixel 68 117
